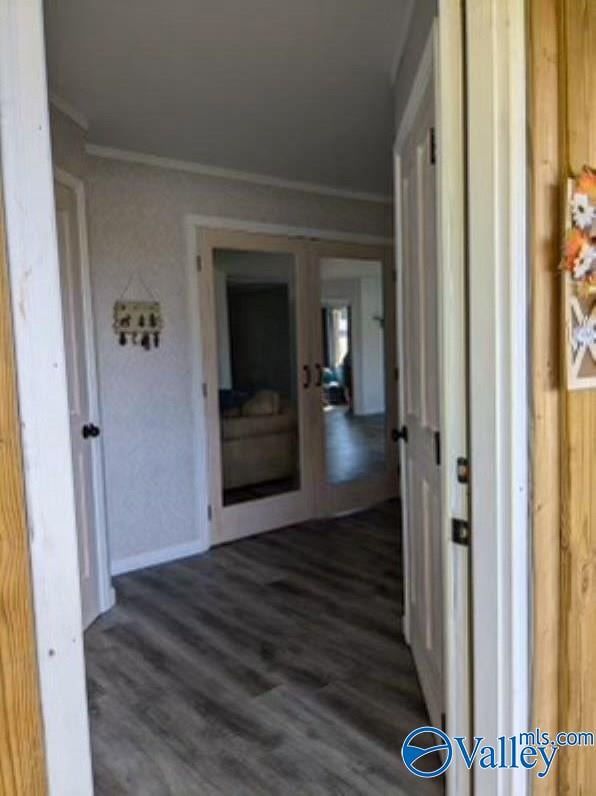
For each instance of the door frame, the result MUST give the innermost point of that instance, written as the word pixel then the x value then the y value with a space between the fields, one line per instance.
pixel 106 594
pixel 499 344
pixel 43 398
pixel 193 225
pixel 479 51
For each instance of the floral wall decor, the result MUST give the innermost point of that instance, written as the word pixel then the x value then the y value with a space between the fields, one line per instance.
pixel 579 299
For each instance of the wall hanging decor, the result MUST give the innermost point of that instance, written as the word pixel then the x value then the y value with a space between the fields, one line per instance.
pixel 138 322
pixel 579 282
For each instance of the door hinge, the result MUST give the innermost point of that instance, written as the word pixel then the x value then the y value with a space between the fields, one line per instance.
pixel 444 722
pixel 460 532
pixel 438 448
pixel 199 263
pixel 396 374
pixel 394 276
pixel 433 146
pixel 204 389
pixel 209 513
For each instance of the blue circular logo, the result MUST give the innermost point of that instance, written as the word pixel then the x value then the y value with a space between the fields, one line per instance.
pixel 411 753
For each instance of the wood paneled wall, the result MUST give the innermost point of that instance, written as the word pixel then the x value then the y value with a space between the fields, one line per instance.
pixel 22 764
pixel 563 133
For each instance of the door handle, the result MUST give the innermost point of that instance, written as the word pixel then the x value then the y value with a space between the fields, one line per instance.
pixel 319 370
pixel 90 430
pixel 307 377
pixel 398 434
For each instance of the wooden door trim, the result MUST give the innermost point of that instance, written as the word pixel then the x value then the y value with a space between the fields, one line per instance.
pixel 546 231
pixel 43 401
pixel 499 373
pixel 22 756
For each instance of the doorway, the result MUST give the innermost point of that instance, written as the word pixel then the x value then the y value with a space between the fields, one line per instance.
pixel 299 379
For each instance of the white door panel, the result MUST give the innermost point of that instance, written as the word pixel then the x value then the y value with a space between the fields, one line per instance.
pixel 78 395
pixel 420 371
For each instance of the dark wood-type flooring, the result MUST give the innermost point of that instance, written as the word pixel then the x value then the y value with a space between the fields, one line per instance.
pixel 355 445
pixel 273 666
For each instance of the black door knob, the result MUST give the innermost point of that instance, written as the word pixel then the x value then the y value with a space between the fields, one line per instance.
pixel 90 430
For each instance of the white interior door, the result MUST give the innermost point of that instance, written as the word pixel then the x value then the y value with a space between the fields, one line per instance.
pixel 354 404
pixel 421 462
pixel 83 431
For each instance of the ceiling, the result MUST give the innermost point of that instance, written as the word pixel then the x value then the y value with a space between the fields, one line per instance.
pixel 293 89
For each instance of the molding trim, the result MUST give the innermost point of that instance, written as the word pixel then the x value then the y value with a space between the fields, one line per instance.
pixel 43 397
pixel 423 76
pixel 155 557
pixel 500 327
pixel 191 167
pixel 260 228
pixel 68 110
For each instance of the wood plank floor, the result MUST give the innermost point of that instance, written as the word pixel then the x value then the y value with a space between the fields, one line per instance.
pixel 270 666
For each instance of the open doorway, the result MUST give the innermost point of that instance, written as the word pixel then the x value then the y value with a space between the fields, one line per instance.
pixel 158 465
pixel 289 422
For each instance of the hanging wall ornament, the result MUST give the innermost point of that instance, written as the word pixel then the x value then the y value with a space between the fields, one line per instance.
pixel 138 322
pixel 579 298
pixel 130 323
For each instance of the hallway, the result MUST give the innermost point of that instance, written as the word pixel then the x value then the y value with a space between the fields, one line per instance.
pixel 273 666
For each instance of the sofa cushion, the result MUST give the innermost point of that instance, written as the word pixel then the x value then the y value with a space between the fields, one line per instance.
pixel 239 427
pixel 264 402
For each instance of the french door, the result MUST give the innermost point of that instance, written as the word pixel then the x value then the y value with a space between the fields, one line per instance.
pixel 354 348
pixel 253 294
pixel 299 358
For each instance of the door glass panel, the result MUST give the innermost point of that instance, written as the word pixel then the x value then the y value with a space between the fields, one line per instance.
pixel 255 308
pixel 353 394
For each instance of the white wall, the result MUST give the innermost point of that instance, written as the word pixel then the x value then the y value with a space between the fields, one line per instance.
pixel 371 340
pixel 135 216
pixel 350 281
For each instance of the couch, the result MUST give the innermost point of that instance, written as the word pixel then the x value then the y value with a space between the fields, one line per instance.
pixel 259 441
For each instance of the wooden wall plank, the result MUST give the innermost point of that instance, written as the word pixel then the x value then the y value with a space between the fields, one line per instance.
pixel 22 764
pixel 577 695
pixel 546 373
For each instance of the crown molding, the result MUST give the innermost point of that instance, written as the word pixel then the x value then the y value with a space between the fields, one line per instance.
pixel 128 156
pixel 68 110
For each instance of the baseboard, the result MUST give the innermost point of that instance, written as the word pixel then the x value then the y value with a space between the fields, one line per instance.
pixel 154 557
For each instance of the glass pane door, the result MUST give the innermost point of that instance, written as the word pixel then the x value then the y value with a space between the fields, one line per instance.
pixel 357 375
pixel 255 305
pixel 259 382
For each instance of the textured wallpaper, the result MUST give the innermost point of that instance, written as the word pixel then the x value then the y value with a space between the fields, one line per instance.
pixel 135 218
